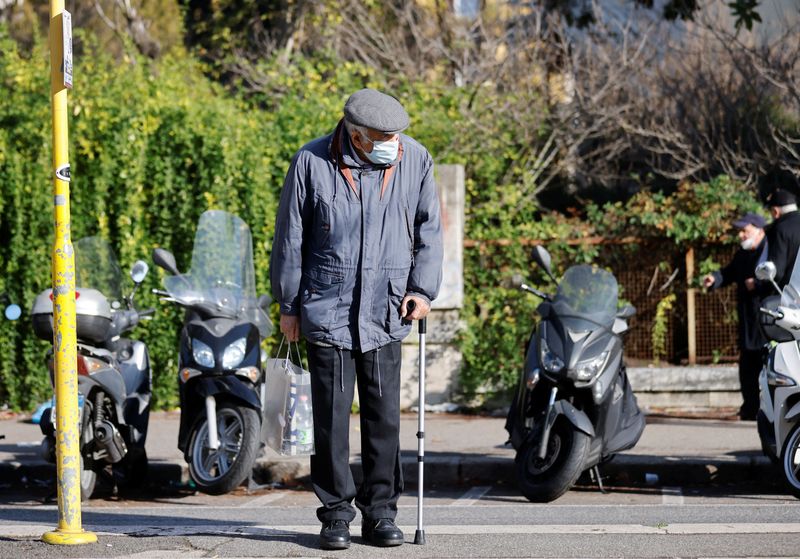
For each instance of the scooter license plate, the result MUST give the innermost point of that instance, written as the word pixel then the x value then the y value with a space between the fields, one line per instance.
pixel 55 408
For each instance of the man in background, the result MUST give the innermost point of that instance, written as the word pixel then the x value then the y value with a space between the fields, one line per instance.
pixel 783 234
pixel 741 271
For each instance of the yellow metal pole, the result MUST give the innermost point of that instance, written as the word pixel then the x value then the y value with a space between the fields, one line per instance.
pixel 68 463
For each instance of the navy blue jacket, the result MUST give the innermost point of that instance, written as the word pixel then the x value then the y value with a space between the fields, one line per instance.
pixel 349 245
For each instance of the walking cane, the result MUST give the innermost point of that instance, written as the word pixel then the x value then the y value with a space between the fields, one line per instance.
pixel 419 535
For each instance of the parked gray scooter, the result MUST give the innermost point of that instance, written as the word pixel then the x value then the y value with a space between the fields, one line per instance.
pixel 113 371
pixel 778 418
pixel 220 370
pixel 573 407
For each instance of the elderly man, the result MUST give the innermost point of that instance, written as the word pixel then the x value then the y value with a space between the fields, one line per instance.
pixel 783 234
pixel 357 239
pixel 741 271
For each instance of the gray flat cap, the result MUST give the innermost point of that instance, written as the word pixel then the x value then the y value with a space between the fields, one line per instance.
pixel 376 110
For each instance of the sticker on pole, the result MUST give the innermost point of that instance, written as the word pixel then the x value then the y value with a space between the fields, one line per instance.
pixel 66 28
pixel 62 173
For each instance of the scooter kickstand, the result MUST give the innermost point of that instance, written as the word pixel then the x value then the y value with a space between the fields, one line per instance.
pixel 596 475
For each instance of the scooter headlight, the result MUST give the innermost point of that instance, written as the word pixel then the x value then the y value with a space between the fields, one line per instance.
pixel 234 353
pixel 203 355
pixel 587 370
pixel 551 362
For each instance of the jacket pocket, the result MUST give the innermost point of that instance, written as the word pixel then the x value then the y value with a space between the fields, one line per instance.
pixel 396 292
pixel 322 222
pixel 321 293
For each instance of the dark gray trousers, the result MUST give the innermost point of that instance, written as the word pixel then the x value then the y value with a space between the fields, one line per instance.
pixel 334 374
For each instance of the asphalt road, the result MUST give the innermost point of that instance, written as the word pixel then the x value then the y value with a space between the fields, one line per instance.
pixel 758 520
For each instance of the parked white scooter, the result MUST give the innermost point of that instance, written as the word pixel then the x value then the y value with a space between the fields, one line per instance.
pixel 779 383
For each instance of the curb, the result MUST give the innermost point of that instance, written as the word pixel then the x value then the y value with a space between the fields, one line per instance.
pixel 454 470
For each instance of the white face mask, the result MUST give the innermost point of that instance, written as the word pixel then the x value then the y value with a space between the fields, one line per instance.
pixel 383 153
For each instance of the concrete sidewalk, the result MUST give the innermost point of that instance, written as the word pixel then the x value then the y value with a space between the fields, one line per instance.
pixel 459 450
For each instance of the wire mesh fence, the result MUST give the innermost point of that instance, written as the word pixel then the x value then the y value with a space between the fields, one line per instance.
pixel 653 274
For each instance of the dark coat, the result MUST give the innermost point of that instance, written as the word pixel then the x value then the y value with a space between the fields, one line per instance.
pixel 783 236
pixel 352 239
pixel 741 267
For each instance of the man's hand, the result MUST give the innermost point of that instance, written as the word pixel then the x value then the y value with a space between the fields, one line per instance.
pixel 421 308
pixel 750 284
pixel 708 281
pixel 290 326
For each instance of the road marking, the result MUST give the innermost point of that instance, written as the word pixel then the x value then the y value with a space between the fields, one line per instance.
pixel 671 496
pixel 471 497
pixel 263 500
pixel 138 530
pixel 789 502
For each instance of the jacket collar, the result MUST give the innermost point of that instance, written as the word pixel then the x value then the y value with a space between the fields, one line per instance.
pixel 343 155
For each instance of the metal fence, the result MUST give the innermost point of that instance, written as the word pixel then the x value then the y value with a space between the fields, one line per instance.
pixel 649 272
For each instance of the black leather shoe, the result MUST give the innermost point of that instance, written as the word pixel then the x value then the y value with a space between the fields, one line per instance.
pixel 382 532
pixel 335 534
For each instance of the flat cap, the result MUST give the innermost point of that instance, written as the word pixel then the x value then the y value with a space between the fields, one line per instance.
pixel 750 218
pixel 376 110
pixel 780 197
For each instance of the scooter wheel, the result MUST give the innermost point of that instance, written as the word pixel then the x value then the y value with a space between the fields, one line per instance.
pixel 218 471
pixel 545 480
pixel 790 461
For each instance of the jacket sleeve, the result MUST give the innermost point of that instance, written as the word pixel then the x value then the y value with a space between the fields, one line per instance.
pixel 728 274
pixel 426 268
pixel 286 259
pixel 718 281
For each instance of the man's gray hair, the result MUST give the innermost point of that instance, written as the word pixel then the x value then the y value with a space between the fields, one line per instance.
pixel 787 208
pixel 350 127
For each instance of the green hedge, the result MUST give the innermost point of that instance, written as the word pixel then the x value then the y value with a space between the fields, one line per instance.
pixel 151 148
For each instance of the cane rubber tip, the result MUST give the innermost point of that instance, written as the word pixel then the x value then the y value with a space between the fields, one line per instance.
pixel 419 537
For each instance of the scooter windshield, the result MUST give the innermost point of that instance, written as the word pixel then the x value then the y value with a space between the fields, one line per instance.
pixel 96 267
pixel 222 276
pixel 586 297
pixel 790 296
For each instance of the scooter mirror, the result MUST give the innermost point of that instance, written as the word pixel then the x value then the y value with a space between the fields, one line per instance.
pixel 766 271
pixel 165 259
pixel 13 312
pixel 139 271
pixel 626 312
pixel 542 258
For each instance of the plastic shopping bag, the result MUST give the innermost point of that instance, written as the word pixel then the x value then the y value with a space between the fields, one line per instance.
pixel 288 415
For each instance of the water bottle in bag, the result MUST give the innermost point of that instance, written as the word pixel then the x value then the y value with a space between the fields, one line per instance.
pixel 304 425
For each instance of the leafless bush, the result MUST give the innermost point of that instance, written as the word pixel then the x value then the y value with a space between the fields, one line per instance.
pixel 685 102
pixel 632 98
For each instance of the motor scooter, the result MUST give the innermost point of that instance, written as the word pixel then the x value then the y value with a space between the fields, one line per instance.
pixel 114 384
pixel 778 418
pixel 573 407
pixel 220 368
